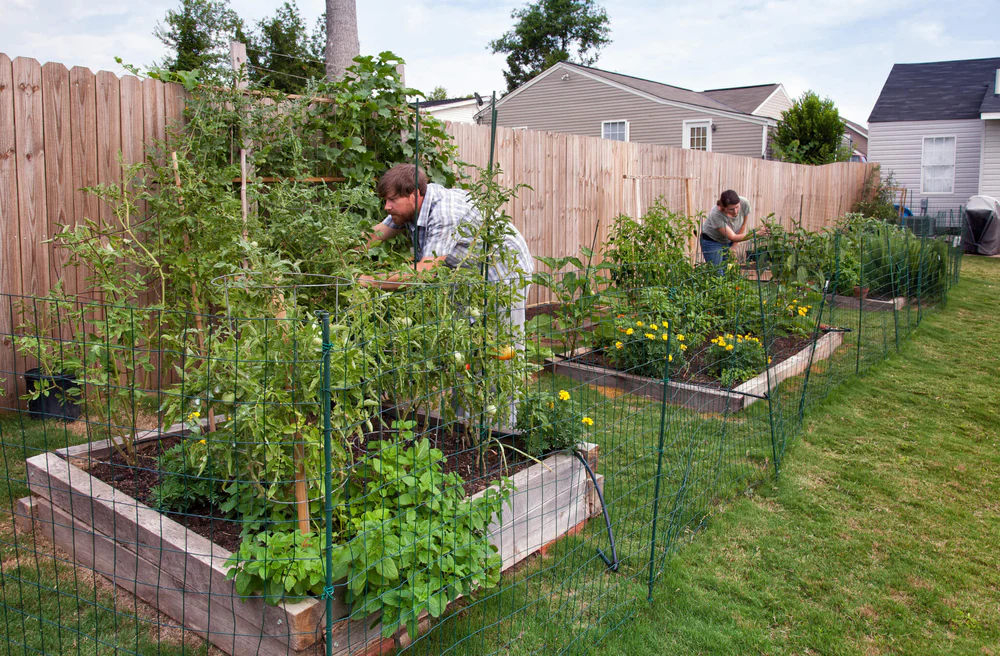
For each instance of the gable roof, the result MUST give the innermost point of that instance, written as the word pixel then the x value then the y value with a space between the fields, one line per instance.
pixel 744 99
pixel 657 91
pixel 932 91
pixel 857 127
pixel 660 90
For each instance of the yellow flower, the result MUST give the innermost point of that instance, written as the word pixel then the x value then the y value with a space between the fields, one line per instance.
pixel 650 336
pixel 629 331
pixel 680 338
pixel 653 326
pixel 551 405
pixel 670 358
pixel 666 324
pixel 769 359
pixel 618 345
pixel 588 421
pixel 729 347
pixel 665 337
pixel 194 415
pixel 684 347
pixel 638 323
pixel 201 441
pixel 563 395
pixel 729 336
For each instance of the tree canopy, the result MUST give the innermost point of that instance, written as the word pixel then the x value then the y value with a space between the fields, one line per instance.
pixel 198 33
pixel 548 32
pixel 811 132
pixel 283 53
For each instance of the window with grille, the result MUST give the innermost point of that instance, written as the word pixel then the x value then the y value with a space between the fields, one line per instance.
pixel 698 135
pixel 615 130
pixel 937 166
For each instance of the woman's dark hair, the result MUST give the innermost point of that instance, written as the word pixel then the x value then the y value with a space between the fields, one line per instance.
pixel 726 199
pixel 399 181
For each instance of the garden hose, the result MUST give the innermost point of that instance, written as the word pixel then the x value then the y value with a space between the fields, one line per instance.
pixel 612 562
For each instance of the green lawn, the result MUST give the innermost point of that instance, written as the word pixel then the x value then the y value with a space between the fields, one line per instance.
pixel 881 535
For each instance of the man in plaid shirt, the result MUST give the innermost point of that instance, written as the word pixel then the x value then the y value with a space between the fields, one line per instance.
pixel 443 225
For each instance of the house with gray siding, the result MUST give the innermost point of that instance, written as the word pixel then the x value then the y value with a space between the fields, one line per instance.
pixel 936 129
pixel 593 102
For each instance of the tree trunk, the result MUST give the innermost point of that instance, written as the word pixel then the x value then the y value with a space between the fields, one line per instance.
pixel 341 37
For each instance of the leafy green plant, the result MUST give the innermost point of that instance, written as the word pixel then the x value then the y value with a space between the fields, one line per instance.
pixel 549 422
pixel 279 565
pixel 650 251
pixel 575 294
pixel 409 540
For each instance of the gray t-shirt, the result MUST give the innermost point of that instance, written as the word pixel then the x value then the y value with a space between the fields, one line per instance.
pixel 716 219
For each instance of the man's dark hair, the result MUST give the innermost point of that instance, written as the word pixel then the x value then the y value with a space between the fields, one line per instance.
pixel 726 199
pixel 399 181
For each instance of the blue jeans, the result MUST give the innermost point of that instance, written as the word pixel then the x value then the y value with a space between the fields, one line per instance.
pixel 714 253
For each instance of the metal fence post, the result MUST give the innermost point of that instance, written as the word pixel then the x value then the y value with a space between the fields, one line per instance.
pixel 767 369
pixel 659 461
pixel 327 478
pixel 861 299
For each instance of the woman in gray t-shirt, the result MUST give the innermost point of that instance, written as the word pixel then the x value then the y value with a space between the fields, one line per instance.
pixel 725 225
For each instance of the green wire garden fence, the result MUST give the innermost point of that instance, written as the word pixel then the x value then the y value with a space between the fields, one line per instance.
pixel 344 470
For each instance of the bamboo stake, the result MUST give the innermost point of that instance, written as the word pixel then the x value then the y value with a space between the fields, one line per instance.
pixel 298 454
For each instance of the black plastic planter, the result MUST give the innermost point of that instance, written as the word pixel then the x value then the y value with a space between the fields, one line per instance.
pixel 57 404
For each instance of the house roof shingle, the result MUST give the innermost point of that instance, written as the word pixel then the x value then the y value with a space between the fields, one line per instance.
pixel 931 91
pixel 660 90
pixel 744 99
pixel 991 101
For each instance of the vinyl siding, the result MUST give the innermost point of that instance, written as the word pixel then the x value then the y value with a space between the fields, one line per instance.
pixel 990 182
pixel 778 103
pixel 897 147
pixel 579 104
pixel 461 114
pixel 857 140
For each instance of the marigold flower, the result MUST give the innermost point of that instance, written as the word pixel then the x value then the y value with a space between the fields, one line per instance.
pixel 588 421
pixel 665 337
pixel 650 336
pixel 621 316
pixel 563 395
pixel 653 326
pixel 629 331
pixel 618 345
pixel 638 323
pixel 670 358
pixel 729 347
pixel 680 338
pixel 201 442
pixel 684 347
pixel 551 405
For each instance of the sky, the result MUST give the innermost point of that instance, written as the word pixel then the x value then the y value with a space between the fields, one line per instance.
pixel 842 49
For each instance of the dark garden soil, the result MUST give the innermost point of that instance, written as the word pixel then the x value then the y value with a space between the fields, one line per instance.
pixel 696 367
pixel 211 523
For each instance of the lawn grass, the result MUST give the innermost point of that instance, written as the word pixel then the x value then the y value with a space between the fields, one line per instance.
pixel 881 534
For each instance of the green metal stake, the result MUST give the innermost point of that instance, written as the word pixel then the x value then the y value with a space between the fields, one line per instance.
pixel 327 479
pixel 659 462
pixel 416 184
pixel 861 301
pixel 892 285
pixel 920 281
pixel 767 370
pixel 812 351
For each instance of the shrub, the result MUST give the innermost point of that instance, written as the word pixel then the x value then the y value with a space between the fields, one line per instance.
pixel 549 423
pixel 735 358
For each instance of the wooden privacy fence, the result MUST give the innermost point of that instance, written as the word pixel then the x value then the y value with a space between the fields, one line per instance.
pixel 64 129
pixel 576 182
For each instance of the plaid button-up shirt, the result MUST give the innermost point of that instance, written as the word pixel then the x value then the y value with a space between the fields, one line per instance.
pixel 448 226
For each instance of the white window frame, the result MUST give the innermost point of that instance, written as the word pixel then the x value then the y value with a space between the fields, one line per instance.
pixel 628 135
pixel 697 123
pixel 954 163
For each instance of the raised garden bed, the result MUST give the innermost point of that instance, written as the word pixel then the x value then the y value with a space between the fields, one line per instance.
pixel 183 574
pixel 698 396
